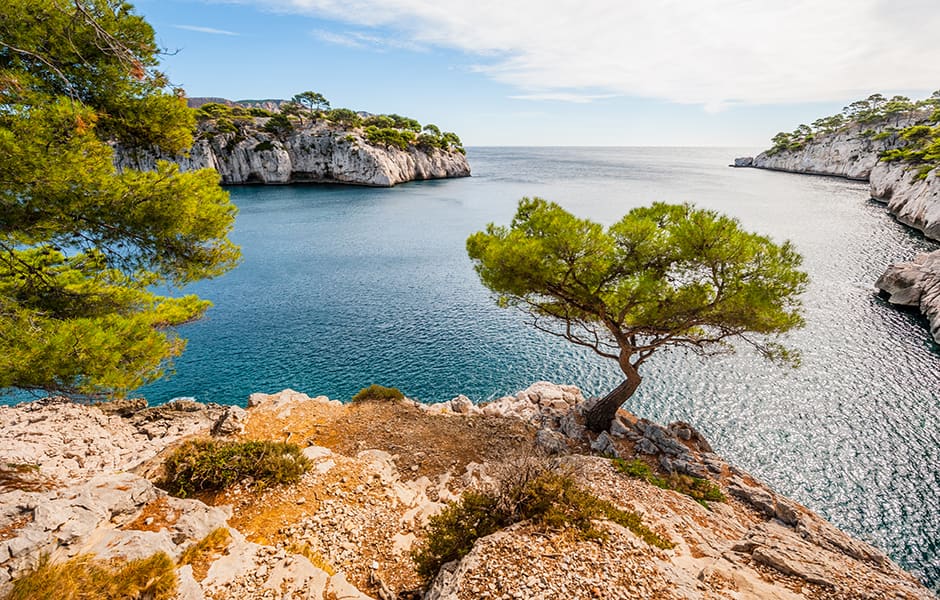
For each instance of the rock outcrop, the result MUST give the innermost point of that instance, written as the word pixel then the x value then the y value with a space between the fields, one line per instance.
pixel 916 285
pixel 380 470
pixel 317 153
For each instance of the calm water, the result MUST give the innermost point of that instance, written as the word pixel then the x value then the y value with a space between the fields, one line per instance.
pixel 342 287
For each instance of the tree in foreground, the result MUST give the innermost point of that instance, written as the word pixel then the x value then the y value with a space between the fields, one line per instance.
pixel 664 276
pixel 82 245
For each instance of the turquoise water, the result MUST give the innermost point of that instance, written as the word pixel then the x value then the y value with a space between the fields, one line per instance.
pixel 342 287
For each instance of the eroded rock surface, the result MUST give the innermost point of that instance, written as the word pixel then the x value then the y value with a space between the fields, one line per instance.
pixel 916 284
pixel 381 470
pixel 318 153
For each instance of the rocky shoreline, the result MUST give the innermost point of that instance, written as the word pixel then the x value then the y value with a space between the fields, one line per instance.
pixel 380 470
pixel 319 152
pixel 912 200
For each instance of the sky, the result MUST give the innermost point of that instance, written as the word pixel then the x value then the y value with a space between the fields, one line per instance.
pixel 561 72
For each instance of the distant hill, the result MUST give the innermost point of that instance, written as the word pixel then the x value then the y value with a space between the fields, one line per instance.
pixel 272 104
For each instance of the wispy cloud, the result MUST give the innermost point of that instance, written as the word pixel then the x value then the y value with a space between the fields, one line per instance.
pixel 710 52
pixel 365 41
pixel 200 29
pixel 563 97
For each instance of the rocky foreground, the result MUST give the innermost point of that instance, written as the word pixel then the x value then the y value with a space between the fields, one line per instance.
pixel 854 152
pixel 380 470
pixel 319 152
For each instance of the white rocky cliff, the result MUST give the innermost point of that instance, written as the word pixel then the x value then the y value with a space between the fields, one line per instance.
pixel 855 153
pixel 317 153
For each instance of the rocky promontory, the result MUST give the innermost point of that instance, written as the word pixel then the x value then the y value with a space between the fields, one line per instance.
pixel 249 150
pixel 874 152
pixel 380 470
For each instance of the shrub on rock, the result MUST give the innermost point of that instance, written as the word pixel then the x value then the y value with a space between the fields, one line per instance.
pixel 211 465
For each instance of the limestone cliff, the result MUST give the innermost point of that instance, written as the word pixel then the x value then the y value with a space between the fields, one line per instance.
pixel 380 470
pixel 316 153
pixel 855 152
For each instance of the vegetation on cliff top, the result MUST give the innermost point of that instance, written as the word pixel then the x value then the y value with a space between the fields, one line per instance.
pixel 887 113
pixel 917 144
pixel 309 108
pixel 664 276
pixel 83 246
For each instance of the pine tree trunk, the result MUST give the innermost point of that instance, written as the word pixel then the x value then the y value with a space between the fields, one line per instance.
pixel 599 416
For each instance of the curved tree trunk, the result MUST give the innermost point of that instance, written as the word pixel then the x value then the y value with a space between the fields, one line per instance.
pixel 599 416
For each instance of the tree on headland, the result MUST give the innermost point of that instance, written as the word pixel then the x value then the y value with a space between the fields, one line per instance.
pixel 312 101
pixel 82 245
pixel 665 276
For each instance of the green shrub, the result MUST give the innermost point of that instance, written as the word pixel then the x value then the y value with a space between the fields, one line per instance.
pixel 378 392
pixel 700 490
pixel 265 145
pixel 260 112
pixel 209 465
pixel 225 125
pixel 279 124
pixel 87 578
pixel 547 498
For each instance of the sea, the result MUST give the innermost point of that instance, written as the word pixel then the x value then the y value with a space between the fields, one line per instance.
pixel 344 286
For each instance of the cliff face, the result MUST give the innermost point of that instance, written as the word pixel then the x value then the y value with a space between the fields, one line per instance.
pixel 380 470
pixel 844 154
pixel 913 200
pixel 318 153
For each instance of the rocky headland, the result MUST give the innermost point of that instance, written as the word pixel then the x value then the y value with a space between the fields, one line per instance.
pixel 911 193
pixel 379 471
pixel 248 150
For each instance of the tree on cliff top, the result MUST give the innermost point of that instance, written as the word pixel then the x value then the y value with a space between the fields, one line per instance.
pixel 662 277
pixel 82 245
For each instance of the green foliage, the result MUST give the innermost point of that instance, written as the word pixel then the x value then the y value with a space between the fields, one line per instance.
pixel 311 101
pixel 919 145
pixel 405 123
pixel 378 121
pixel 279 125
pixel 700 490
pixel 546 498
pixel 82 246
pixel 379 393
pixel 389 137
pixel 265 145
pixel 344 116
pixel 663 276
pixel 259 112
pixel 87 578
pixel 209 465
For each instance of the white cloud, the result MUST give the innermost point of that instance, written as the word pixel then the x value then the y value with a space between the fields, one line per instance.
pixel 364 41
pixel 712 52
pixel 563 97
pixel 200 29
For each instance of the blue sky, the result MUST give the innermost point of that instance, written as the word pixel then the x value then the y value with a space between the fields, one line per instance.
pixel 565 72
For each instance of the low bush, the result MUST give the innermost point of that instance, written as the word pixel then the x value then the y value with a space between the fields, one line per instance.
pixel 212 465
pixel 550 499
pixel 88 578
pixel 700 490
pixel 265 145
pixel 379 393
